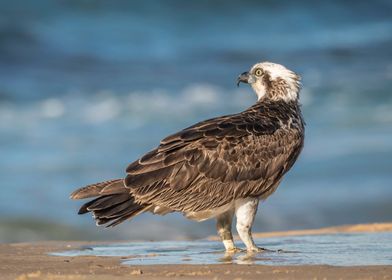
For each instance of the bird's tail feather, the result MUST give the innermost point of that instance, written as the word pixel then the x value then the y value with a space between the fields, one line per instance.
pixel 93 190
pixel 113 203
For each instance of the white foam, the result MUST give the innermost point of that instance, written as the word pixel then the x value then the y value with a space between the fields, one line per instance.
pixel 52 108
pixel 102 109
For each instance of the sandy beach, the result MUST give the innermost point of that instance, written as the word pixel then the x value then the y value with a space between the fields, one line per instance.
pixel 31 261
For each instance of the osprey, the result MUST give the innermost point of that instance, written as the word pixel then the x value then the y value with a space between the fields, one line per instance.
pixel 215 168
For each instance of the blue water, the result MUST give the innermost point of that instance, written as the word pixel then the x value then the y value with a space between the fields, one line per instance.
pixel 86 87
pixel 334 249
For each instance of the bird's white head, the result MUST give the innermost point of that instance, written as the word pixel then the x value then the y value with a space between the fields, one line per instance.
pixel 272 81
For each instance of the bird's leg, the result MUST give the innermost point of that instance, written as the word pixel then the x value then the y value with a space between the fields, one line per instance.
pixel 223 226
pixel 245 210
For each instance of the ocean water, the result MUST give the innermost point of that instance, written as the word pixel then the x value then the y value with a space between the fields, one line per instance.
pixel 86 87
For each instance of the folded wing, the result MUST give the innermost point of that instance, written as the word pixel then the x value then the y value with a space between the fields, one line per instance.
pixel 215 162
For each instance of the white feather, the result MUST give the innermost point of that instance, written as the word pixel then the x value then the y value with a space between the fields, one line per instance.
pixel 277 71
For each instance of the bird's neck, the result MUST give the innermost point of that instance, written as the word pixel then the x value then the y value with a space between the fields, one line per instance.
pixel 279 103
pixel 278 113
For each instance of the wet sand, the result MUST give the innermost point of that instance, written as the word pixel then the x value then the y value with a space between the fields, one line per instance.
pixel 358 228
pixel 31 261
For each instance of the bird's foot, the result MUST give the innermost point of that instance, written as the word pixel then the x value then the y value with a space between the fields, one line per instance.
pixel 256 249
pixel 230 254
pixel 234 250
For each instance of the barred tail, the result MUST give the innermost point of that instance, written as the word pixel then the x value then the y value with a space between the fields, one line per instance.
pixel 114 203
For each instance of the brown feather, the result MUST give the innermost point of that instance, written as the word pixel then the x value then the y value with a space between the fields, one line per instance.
pixel 113 209
pixel 115 188
pixel 216 161
pixel 128 216
pixel 92 190
pixel 206 165
pixel 107 201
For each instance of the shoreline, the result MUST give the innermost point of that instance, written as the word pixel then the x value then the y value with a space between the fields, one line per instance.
pixel 358 228
pixel 23 261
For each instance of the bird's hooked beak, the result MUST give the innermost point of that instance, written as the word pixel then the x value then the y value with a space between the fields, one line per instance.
pixel 245 78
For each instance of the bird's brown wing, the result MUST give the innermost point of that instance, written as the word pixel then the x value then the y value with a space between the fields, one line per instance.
pixel 214 162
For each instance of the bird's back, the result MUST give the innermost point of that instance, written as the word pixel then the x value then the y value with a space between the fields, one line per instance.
pixel 219 160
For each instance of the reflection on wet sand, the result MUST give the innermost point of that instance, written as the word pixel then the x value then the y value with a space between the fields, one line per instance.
pixel 244 257
pixel 343 249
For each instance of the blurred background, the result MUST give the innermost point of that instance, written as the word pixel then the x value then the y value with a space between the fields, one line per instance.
pixel 86 87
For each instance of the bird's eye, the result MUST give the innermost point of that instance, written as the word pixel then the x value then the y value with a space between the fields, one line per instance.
pixel 258 72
